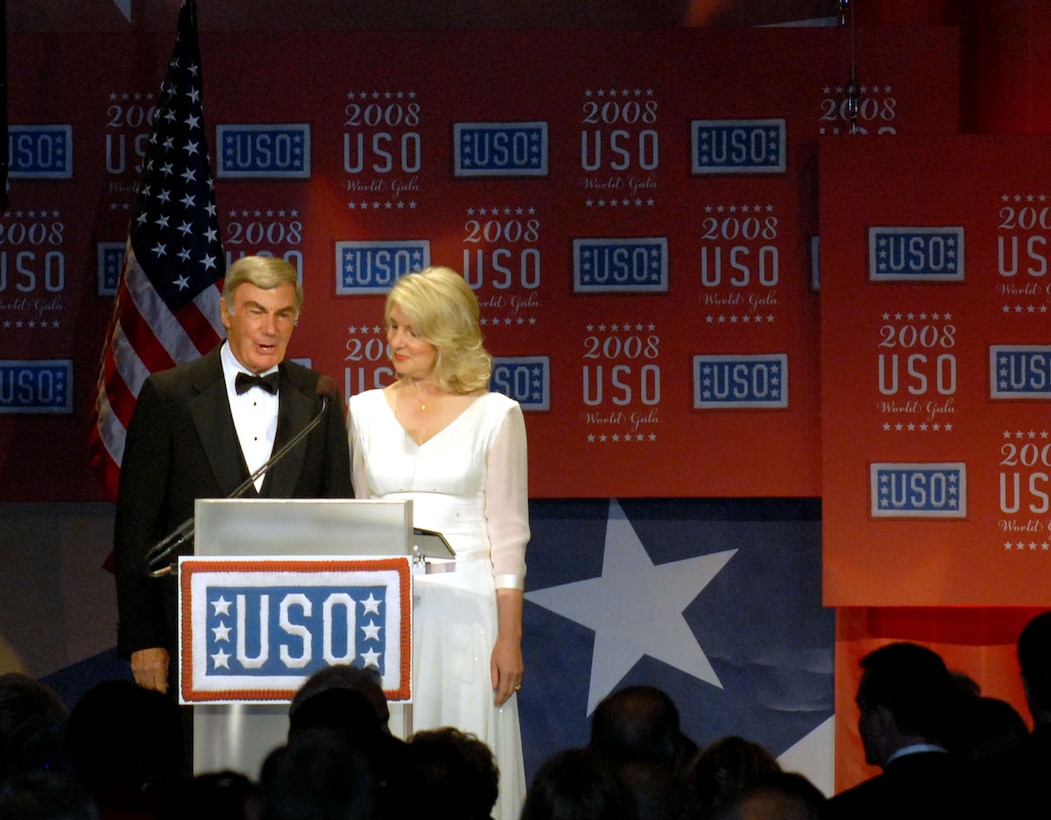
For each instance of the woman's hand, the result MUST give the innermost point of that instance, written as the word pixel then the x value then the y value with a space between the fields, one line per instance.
pixel 506 667
pixel 506 664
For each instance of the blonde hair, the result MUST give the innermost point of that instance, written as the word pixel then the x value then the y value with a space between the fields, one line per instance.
pixel 266 272
pixel 443 310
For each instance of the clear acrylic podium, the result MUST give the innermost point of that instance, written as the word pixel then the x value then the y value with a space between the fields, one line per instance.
pixel 239 736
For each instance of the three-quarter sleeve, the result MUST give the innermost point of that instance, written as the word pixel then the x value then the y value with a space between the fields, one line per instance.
pixel 507 501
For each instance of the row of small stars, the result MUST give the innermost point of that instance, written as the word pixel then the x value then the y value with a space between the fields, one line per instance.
pixel 381 95
pixel 269 213
pixel 1024 309
pixel 44 214
pixel 921 316
pixel 125 96
pixel 624 92
pixel 365 330
pixel 30 323
pixel 733 319
pixel 616 328
pixel 619 203
pixel 1032 434
pixel 887 89
pixel 719 209
pixel 1023 197
pixel 518 210
pixel 625 437
pixel 364 206
pixel 1021 545
pixel 508 321
pixel 912 427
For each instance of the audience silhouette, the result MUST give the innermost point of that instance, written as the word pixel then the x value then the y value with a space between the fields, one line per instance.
pixel 944 750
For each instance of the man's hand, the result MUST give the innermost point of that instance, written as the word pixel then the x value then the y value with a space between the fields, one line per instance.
pixel 150 668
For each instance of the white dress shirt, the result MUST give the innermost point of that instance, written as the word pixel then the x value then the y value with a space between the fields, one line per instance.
pixel 254 412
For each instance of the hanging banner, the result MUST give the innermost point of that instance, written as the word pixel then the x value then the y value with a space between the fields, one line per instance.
pixel 936 371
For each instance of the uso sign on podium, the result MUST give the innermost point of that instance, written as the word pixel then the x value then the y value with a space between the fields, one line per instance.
pixel 252 630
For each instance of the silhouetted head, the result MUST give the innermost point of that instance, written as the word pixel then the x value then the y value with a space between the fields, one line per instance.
pixel 906 695
pixel 638 724
pixel 578 784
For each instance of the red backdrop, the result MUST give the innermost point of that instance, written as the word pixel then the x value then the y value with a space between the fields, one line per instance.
pixel 647 285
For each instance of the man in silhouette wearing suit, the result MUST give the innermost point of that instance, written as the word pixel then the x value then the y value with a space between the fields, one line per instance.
pixel 907 702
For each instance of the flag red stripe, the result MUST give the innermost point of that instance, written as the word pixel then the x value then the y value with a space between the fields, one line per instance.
pixel 142 338
pixel 199 329
pixel 121 398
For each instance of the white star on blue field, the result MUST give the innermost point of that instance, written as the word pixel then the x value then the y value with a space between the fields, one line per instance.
pixel 607 604
pixel 715 601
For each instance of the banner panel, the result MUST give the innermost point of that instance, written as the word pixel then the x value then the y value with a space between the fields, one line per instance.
pixel 936 371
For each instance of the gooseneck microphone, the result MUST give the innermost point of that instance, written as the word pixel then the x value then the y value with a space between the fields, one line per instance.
pixel 157 563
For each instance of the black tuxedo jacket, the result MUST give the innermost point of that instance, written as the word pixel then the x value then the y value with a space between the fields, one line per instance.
pixel 181 445
pixel 922 785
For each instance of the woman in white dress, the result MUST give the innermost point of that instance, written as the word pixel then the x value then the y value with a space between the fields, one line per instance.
pixel 436 436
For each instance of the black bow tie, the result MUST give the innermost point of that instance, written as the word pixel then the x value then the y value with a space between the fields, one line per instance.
pixel 245 382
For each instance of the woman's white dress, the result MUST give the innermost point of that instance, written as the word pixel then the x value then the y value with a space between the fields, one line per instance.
pixel 469 483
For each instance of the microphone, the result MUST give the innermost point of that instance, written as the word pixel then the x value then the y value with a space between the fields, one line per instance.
pixel 326 388
pixel 157 565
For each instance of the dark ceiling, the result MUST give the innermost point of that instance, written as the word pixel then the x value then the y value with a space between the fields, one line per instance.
pixel 341 15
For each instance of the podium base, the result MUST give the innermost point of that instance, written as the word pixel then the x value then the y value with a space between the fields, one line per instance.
pixel 237 736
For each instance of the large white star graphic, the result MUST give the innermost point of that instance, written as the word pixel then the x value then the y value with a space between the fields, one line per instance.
pixel 613 605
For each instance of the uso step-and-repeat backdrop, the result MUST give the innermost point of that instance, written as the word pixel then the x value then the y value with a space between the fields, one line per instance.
pixel 637 213
pixel 936 368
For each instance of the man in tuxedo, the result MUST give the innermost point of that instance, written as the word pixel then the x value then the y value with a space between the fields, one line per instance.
pixel 908 706
pixel 200 430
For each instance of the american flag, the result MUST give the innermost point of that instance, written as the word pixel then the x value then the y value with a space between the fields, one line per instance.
pixel 167 309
